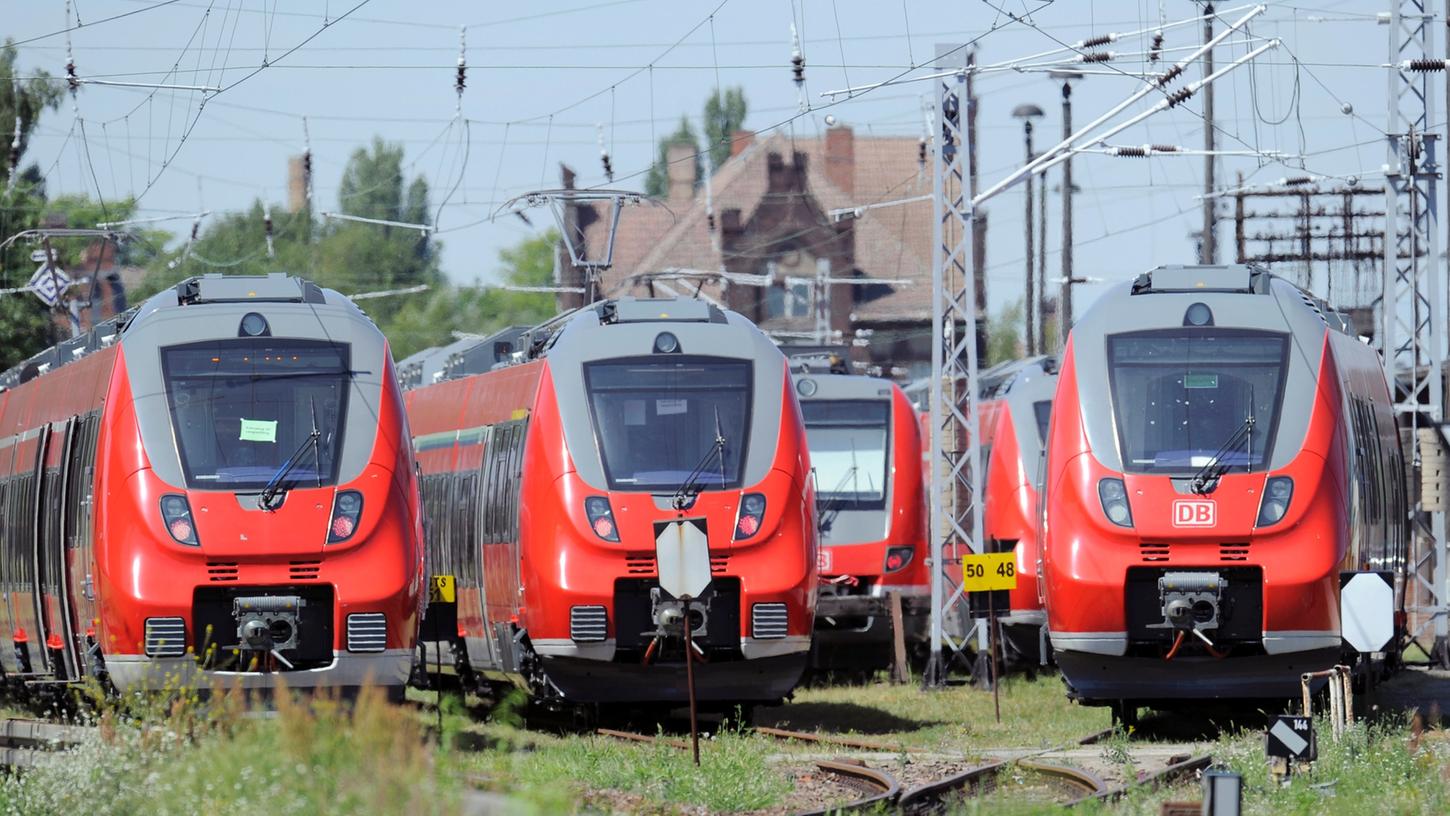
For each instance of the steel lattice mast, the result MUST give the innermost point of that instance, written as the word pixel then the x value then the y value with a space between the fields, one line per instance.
pixel 1412 299
pixel 956 468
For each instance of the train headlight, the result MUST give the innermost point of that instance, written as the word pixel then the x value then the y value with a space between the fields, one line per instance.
pixel 897 558
pixel 601 518
pixel 176 515
pixel 752 516
pixel 1277 493
pixel 1114 496
pixel 346 511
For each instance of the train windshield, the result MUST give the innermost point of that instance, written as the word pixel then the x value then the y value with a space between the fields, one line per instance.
pixel 241 408
pixel 656 420
pixel 848 439
pixel 1043 412
pixel 1183 397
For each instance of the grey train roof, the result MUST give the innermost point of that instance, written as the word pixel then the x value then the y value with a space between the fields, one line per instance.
pixel 843 386
pixel 275 287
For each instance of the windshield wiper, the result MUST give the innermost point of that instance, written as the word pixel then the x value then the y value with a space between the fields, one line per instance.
pixel 685 495
pixel 1206 480
pixel 833 507
pixel 274 486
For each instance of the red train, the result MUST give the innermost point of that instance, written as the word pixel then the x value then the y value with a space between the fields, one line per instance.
pixel 570 487
pixel 1015 405
pixel 865 444
pixel 217 486
pixel 1223 454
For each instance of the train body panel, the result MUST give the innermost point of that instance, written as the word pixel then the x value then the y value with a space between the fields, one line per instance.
pixel 1221 456
pixel 180 565
pixel 866 446
pixel 559 524
pixel 1016 403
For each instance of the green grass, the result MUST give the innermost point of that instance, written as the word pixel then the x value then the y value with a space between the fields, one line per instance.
pixel 956 718
pixel 314 757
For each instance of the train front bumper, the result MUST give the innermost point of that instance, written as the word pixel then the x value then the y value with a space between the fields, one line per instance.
pixel 347 672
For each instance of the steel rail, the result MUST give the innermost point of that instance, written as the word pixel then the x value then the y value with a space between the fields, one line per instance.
pixel 932 797
pixel 832 739
pixel 887 790
pixel 1090 783
pixel 1158 778
pixel 24 741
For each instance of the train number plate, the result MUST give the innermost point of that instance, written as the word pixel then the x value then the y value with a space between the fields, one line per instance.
pixel 989 571
pixel 1194 513
pixel 442 589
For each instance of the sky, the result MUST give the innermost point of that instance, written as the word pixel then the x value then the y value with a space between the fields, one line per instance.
pixel 547 78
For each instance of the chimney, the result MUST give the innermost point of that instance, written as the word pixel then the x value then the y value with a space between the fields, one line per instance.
pixel 680 158
pixel 296 185
pixel 841 158
pixel 739 140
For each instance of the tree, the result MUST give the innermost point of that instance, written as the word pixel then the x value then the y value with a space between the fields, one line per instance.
pixel 724 114
pixel 431 321
pixel 1003 331
pixel 25 324
pixel 657 183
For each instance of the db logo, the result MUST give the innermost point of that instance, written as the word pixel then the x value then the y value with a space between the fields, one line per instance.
pixel 1194 513
pixel 823 560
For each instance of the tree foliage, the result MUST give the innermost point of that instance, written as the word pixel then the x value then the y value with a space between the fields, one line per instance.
pixel 1004 330
pixel 724 114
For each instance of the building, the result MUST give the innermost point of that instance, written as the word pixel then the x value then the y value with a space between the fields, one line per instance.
pixel 759 238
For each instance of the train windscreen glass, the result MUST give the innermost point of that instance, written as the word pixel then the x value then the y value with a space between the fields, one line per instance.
pixel 1042 410
pixel 242 408
pixel 657 420
pixel 848 442
pixel 1183 397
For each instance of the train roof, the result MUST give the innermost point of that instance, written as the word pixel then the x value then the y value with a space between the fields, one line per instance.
pixel 202 290
pixel 1224 279
pixel 841 386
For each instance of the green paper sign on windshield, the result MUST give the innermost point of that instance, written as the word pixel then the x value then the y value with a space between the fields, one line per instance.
pixel 259 430
pixel 1200 380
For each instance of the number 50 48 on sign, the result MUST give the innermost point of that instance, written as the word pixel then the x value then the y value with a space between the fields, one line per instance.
pixel 989 571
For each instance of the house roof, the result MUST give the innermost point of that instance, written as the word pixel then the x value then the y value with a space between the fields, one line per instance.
pixel 890 242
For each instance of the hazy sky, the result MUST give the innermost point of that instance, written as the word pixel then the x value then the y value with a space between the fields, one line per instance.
pixel 543 75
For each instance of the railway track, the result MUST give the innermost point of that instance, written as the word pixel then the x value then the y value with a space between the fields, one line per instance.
pixel 23 741
pixel 881 791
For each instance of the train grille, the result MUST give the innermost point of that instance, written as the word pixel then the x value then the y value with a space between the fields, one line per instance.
pixel 639 563
pixel 1153 552
pixel 165 637
pixel 304 570
pixel 1237 551
pixel 221 571
pixel 588 624
pixel 367 632
pixel 643 563
pixel 769 620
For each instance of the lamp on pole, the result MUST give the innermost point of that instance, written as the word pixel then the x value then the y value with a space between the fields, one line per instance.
pixel 1064 304
pixel 1027 113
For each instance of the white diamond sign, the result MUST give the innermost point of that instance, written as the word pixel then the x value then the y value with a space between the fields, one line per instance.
pixel 48 283
pixel 1367 610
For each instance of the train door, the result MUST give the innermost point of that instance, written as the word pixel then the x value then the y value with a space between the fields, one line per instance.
pixel 55 629
pixel 11 524
pixel 502 468
pixel 77 547
pixel 32 642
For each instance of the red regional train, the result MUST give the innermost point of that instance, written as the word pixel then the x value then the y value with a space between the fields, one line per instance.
pixel 865 445
pixel 216 488
pixel 1223 456
pixel 1015 406
pixel 572 487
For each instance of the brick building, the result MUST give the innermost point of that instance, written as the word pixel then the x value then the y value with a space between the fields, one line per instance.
pixel 761 241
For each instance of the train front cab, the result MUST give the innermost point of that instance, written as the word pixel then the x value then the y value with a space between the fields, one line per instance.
pixel 1167 579
pixel 865 443
pixel 621 410
pixel 1015 412
pixel 207 578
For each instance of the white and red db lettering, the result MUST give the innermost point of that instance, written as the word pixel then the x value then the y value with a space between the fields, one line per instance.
pixel 1194 513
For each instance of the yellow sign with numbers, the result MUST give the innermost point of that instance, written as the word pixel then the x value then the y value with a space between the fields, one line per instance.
pixel 989 571
pixel 441 589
